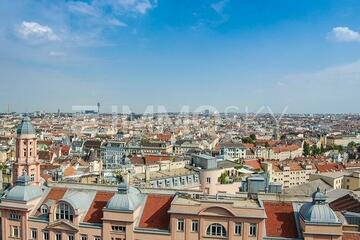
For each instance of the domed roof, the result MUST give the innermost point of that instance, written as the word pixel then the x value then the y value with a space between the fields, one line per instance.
pixel 25 127
pixel 318 211
pixel 127 198
pixel 23 190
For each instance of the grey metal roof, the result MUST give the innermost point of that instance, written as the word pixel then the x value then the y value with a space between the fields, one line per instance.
pixel 318 211
pixel 79 199
pixel 127 199
pixel 25 127
pixel 23 190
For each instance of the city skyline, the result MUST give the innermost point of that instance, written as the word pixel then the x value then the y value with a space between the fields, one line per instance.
pixel 303 56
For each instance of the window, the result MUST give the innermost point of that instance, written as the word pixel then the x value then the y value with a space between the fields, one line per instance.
pixel 253 229
pixel 34 234
pixel 97 238
pixel 71 237
pixel 118 228
pixel 84 237
pixel 58 236
pixel 208 180
pixel 180 225
pixel 44 209
pixel 195 226
pixel 15 231
pixel 64 211
pixel 238 227
pixel 46 235
pixel 14 216
pixel 216 230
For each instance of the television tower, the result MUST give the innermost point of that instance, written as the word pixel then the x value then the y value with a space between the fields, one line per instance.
pixel 98 106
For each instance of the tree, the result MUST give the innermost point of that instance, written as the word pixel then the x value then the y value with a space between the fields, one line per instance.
pixel 322 149
pixel 224 178
pixel 352 144
pixel 306 151
pixel 119 176
pixel 315 151
pixel 247 140
pixel 253 137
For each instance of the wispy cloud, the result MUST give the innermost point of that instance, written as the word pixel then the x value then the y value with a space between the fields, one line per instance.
pixel 57 54
pixel 344 34
pixel 130 6
pixel 116 22
pixel 36 31
pixel 219 6
pixel 83 8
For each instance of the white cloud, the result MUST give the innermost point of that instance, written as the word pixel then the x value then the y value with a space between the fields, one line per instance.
pixel 115 22
pixel 143 6
pixel 135 6
pixel 34 30
pixel 344 34
pixel 84 8
pixel 57 54
pixel 219 6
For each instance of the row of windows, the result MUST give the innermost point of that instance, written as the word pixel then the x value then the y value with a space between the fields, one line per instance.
pixel 14 216
pixel 118 228
pixel 58 236
pixel 216 229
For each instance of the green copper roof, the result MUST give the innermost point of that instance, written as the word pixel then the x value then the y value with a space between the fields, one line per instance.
pixel 25 127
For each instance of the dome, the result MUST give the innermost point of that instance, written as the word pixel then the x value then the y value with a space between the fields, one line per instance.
pixel 23 190
pixel 25 127
pixel 318 211
pixel 127 198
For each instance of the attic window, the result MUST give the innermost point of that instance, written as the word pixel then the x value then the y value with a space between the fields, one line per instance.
pixel 44 209
pixel 64 211
pixel 14 216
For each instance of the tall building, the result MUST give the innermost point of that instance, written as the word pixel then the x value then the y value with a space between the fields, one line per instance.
pixel 27 161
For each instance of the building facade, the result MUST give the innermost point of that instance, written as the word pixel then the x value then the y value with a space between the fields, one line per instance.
pixel 26 153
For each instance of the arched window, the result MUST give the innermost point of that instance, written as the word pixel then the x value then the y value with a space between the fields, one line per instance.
pixel 64 211
pixel 44 209
pixel 216 230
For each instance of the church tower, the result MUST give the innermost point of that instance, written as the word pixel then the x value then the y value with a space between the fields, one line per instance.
pixel 27 161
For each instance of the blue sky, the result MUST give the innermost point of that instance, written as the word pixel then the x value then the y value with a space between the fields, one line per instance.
pixel 303 55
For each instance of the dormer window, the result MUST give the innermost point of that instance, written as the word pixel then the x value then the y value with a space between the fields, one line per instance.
pixel 44 209
pixel 64 211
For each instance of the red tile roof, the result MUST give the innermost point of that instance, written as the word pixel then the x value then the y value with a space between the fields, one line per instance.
pixel 287 148
pixel 70 171
pixel 95 212
pixel 346 203
pixel 281 220
pixel 152 159
pixel 328 167
pixel 351 236
pixel 149 159
pixel 55 194
pixel 155 214
pixel 255 164
pixel 65 150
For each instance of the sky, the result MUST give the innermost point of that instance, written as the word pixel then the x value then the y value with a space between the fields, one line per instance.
pixel 298 56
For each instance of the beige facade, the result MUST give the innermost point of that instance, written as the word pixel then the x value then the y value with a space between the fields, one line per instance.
pixel 288 174
pixel 334 179
pixel 279 153
pixel 352 181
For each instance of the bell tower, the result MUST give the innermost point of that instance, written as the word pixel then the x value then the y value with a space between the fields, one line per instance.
pixel 27 160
